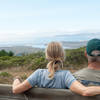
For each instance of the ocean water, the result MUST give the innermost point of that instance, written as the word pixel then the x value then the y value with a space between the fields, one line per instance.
pixel 41 42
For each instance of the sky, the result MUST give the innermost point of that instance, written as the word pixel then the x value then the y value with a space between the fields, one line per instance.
pixel 21 19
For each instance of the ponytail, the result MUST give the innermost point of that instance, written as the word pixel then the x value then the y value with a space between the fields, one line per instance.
pixel 55 55
pixel 54 65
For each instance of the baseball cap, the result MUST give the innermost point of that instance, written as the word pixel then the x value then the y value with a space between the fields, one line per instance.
pixel 93 47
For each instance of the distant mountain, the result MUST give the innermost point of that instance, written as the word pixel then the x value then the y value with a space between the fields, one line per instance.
pixel 19 50
pixel 78 37
pixel 74 45
pixel 39 42
pixel 69 41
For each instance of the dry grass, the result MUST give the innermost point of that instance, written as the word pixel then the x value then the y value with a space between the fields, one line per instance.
pixel 23 72
pixel 16 71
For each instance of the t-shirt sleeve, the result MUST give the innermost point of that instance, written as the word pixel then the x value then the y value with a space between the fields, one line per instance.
pixel 69 79
pixel 33 78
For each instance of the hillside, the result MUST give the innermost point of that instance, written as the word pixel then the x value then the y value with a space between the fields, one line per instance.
pixel 18 50
pixel 73 57
pixel 10 66
pixel 74 45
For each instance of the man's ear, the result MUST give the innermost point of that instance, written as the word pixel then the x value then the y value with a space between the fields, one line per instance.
pixel 85 53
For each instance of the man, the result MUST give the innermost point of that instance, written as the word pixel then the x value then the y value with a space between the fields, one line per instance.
pixel 91 75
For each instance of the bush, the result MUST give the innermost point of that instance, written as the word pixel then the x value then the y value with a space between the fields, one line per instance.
pixel 5 74
pixel 5 64
pixel 38 63
pixel 74 57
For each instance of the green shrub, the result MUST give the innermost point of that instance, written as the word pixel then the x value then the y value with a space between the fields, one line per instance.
pixel 5 74
pixel 5 58
pixel 74 57
pixel 38 63
pixel 5 64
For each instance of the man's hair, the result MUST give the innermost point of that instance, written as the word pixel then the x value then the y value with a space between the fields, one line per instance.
pixel 93 59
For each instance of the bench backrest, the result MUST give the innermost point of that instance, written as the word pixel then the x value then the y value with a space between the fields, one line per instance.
pixel 42 94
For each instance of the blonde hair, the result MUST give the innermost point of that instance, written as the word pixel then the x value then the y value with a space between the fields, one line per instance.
pixel 55 56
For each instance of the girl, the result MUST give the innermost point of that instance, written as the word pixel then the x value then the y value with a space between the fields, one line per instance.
pixel 53 76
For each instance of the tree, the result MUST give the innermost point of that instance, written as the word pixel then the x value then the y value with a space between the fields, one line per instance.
pixel 10 53
pixel 5 53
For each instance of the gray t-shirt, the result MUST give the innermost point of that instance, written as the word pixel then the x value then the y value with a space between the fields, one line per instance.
pixel 62 79
pixel 88 77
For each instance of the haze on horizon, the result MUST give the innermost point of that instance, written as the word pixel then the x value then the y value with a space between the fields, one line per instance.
pixel 25 19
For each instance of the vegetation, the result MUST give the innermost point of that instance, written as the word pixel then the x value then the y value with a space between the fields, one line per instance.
pixel 74 58
pixel 4 53
pixel 11 65
pixel 5 74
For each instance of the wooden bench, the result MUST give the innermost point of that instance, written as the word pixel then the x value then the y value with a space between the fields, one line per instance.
pixel 41 94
